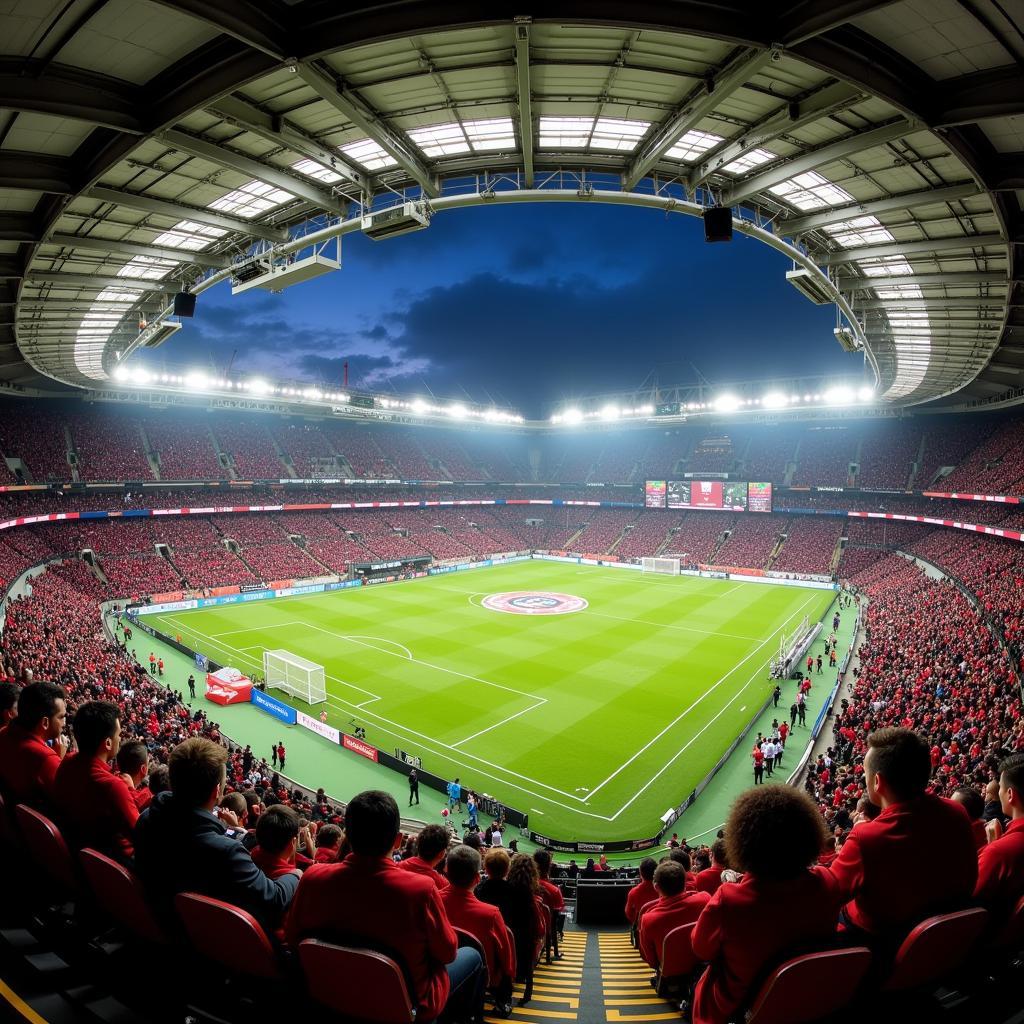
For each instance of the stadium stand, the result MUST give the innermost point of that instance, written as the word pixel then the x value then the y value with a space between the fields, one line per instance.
pixel 995 466
pixel 308 447
pixel 250 448
pixel 810 545
pixel 134 575
pixel 647 533
pixel 108 447
pixel 698 538
pixel 888 455
pixel 751 541
pixel 184 448
pixel 38 441
pixel 825 455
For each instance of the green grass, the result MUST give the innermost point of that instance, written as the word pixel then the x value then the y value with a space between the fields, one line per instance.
pixel 593 722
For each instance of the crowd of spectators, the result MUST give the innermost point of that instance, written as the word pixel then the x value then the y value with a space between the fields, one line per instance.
pixel 646 534
pixel 135 575
pixel 994 467
pixel 38 440
pixel 888 454
pixel 184 447
pixel 751 541
pixel 305 444
pixel 697 540
pixel 250 447
pixel 109 447
pixel 213 567
pixel 825 456
pixel 280 561
pixel 810 544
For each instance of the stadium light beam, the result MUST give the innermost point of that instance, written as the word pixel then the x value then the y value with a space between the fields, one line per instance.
pixel 775 400
pixel 726 403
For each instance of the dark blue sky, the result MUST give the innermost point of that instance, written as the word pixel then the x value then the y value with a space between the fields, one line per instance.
pixel 528 306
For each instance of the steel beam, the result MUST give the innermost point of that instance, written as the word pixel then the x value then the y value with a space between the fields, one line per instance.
pixel 925 245
pixel 253 168
pixel 970 302
pixel 810 18
pixel 998 92
pixel 182 211
pixel 34 87
pixel 524 97
pixel 346 103
pixel 955 279
pixel 870 207
pixel 55 278
pixel 18 227
pixel 33 172
pixel 281 133
pixel 161 252
pixel 787 118
pixel 856 142
pixel 11 267
pixel 261 26
pixel 700 102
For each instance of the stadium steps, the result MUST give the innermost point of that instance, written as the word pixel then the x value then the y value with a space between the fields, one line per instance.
pixel 918 459
pixel 557 988
pixel 284 458
pixel 152 459
pixel 222 455
pixel 780 543
pixel 69 445
pixel 626 993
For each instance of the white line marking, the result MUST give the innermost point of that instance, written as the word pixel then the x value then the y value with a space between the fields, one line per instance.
pixel 698 701
pixel 358 638
pixel 661 771
pixel 502 722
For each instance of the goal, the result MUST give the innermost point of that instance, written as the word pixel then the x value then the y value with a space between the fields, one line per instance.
pixel 664 565
pixel 297 676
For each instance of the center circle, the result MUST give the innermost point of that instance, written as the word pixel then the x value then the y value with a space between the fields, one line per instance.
pixel 534 602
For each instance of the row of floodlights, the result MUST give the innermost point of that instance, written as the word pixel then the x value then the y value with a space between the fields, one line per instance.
pixel 840 395
pixel 198 381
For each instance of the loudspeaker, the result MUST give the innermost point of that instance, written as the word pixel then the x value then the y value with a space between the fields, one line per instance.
pixel 718 224
pixel 184 304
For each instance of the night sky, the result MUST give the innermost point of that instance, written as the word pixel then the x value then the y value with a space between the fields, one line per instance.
pixel 526 306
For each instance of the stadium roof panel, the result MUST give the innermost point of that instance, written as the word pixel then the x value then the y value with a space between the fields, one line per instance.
pixel 214 132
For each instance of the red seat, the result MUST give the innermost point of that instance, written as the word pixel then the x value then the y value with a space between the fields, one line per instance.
pixel 356 983
pixel 119 892
pixel 1011 936
pixel 46 846
pixel 810 987
pixel 677 958
pixel 634 932
pixel 935 947
pixel 227 935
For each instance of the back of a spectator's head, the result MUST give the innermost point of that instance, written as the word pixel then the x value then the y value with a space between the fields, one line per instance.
pixel 133 757
pixel 543 861
pixel 1011 784
pixel 472 839
pixel 868 809
pixel 329 837
pixel 647 866
pixel 235 802
pixel 670 877
pixel 897 765
pixel 463 866
pixel 372 823
pixel 702 860
pixel 680 856
pixel 159 779
pixel 252 802
pixel 972 800
pixel 432 842
pixel 774 832
pixel 196 769
pixel 277 829
pixel 40 703
pixel 718 854
pixel 8 702
pixel 97 728
pixel 496 863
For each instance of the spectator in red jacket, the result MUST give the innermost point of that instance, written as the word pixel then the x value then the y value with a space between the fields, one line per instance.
pixel 675 907
pixel 643 892
pixel 552 898
pixel 277 841
pixel 329 839
pixel 889 869
pixel 32 746
pixel 133 764
pixel 8 704
pixel 431 846
pixel 93 804
pixel 484 922
pixel 773 836
pixel 369 897
pixel 710 879
pixel 973 803
pixel 1001 861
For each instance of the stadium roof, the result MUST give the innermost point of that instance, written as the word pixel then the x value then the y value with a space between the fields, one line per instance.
pixel 145 145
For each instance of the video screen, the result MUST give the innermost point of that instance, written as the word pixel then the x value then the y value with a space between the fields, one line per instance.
pixel 759 497
pixel 654 494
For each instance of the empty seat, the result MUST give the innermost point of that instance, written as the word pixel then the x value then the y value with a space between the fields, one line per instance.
pixel 227 935
pixel 677 958
pixel 46 846
pixel 810 987
pixel 356 983
pixel 119 893
pixel 935 947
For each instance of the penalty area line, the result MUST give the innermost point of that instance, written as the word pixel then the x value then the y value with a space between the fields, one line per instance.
pixel 504 721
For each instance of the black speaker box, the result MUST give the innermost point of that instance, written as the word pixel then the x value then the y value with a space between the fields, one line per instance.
pixel 718 224
pixel 184 304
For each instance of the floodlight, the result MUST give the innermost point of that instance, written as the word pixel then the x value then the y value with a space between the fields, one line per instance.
pixel 572 416
pixel 259 387
pixel 726 403
pixel 610 412
pixel 418 405
pixel 196 380
pixel 839 395
pixel 775 400
pixel 121 373
pixel 865 394
pixel 458 411
pixel 139 376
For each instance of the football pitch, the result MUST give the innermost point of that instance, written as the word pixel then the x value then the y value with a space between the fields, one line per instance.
pixel 593 721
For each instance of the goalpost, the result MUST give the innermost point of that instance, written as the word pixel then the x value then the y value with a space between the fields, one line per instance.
pixel 297 676
pixel 669 566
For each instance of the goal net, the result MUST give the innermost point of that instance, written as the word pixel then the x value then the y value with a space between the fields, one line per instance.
pixel 665 565
pixel 297 676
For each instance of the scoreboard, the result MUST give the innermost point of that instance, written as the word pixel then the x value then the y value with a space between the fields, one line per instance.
pixel 721 495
